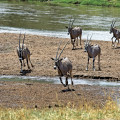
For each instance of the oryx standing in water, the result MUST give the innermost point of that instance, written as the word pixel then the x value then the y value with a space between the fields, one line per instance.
pixel 93 51
pixel 64 66
pixel 74 32
pixel 116 33
pixel 23 53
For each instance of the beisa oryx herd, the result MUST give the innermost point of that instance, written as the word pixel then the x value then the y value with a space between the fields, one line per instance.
pixel 64 65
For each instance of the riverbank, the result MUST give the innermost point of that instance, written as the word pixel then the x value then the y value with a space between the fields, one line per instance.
pixel 43 48
pixel 27 94
pixel 107 3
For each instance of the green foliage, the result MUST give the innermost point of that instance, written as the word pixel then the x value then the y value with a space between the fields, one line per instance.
pixel 114 3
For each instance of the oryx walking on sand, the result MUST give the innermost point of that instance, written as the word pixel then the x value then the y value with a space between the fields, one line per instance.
pixel 116 33
pixel 64 66
pixel 93 51
pixel 74 32
pixel 23 53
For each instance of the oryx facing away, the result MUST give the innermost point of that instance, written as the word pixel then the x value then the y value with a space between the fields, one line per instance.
pixel 93 51
pixel 23 53
pixel 116 33
pixel 64 66
pixel 74 32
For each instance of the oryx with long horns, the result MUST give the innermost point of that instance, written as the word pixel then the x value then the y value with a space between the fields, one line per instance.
pixel 116 33
pixel 23 53
pixel 74 32
pixel 63 65
pixel 93 51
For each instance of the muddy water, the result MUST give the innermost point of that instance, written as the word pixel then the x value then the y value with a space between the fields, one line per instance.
pixel 55 80
pixel 50 20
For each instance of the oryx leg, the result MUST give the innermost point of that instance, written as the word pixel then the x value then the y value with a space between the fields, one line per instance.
pixel 112 41
pixel 66 82
pixel 77 42
pixel 71 77
pixel 87 64
pixel 73 43
pixel 94 64
pixel 21 66
pixel 80 40
pixel 99 62
pixel 23 63
pixel 27 63
pixel 118 41
pixel 30 62
pixel 115 44
pixel 62 82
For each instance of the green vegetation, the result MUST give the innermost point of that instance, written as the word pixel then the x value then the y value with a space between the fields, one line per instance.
pixel 109 112
pixel 114 3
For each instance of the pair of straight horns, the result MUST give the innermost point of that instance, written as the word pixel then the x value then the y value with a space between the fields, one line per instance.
pixel 20 40
pixel 61 50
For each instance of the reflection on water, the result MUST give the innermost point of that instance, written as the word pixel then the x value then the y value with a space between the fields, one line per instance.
pixel 50 19
pixel 56 80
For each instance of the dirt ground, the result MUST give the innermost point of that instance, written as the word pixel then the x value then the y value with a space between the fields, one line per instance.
pixel 15 94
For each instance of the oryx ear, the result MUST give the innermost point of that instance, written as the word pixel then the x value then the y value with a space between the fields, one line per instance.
pixel 52 58
pixel 66 26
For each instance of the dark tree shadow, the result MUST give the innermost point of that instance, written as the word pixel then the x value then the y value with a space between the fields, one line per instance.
pixel 25 72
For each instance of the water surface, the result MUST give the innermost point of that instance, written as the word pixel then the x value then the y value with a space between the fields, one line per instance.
pixel 50 20
pixel 55 80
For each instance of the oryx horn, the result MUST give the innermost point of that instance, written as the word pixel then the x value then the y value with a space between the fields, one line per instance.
pixel 23 41
pixel 58 48
pixel 63 49
pixel 72 22
pixel 19 40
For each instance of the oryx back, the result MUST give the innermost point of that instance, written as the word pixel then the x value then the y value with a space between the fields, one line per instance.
pixel 75 32
pixel 94 50
pixel 65 66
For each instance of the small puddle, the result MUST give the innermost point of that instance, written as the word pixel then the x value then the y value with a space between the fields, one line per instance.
pixel 55 80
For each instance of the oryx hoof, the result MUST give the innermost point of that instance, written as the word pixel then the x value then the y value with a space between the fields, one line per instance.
pixel 99 69
pixel 21 71
pixel 64 85
pixel 113 45
pixel 86 69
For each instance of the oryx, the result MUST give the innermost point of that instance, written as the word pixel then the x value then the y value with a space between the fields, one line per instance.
pixel 63 65
pixel 93 51
pixel 116 33
pixel 74 32
pixel 23 53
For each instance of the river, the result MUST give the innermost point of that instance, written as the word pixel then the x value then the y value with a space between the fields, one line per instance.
pixel 50 20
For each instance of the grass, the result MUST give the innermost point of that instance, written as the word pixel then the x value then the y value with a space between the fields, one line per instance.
pixel 114 3
pixel 108 3
pixel 109 112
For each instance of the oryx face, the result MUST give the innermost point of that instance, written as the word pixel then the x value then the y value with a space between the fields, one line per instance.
pixel 69 30
pixel 111 29
pixel 112 26
pixel 56 63
pixel 20 54
pixel 86 46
